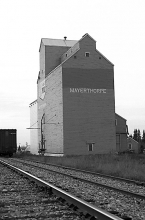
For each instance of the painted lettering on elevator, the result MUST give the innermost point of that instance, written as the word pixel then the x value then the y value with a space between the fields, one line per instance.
pixel 87 90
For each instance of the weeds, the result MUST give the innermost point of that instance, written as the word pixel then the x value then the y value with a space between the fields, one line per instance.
pixel 126 166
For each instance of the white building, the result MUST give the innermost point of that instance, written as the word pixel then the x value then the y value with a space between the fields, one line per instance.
pixel 33 128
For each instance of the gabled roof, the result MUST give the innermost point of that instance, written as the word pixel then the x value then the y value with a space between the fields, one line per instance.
pixel 120 117
pixel 68 43
pixel 32 103
pixel 95 48
pixel 85 36
pixel 132 139
pixel 105 57
pixel 57 42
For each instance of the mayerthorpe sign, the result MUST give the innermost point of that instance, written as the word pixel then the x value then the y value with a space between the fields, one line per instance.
pixel 87 90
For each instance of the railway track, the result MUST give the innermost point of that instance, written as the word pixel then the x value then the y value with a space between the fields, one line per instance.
pixel 126 186
pixel 22 199
pixel 114 202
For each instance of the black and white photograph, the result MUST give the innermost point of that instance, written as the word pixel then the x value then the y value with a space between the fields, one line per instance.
pixel 72 109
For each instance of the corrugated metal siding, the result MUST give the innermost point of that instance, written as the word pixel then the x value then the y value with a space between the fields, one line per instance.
pixel 121 132
pixel 123 143
pixel 42 61
pixel 121 124
pixel 88 116
pixel 53 57
pixel 69 53
pixel 118 142
pixel 41 107
pixel 54 113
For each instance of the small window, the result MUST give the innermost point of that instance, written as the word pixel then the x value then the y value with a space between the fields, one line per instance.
pixel 66 54
pixel 115 122
pixel 87 54
pixel 130 146
pixel 75 57
pixel 90 147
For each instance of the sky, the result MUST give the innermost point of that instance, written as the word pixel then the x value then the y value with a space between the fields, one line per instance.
pixel 118 26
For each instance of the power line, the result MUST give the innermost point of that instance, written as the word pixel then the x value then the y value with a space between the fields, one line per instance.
pixel 50 119
pixel 33 124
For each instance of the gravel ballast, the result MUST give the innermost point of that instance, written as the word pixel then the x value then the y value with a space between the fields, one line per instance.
pixel 20 199
pixel 109 200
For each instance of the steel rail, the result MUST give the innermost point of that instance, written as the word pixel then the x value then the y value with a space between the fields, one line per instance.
pixel 125 192
pixel 78 203
pixel 94 173
pixel 139 183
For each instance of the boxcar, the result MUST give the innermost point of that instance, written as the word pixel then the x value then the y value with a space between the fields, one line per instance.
pixel 8 141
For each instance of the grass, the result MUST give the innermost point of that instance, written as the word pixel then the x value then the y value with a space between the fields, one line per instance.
pixel 129 166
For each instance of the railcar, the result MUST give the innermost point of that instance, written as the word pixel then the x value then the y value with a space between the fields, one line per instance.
pixel 8 142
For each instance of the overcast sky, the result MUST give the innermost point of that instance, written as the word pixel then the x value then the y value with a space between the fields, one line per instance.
pixel 118 26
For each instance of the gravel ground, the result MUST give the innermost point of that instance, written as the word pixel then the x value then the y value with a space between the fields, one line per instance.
pixel 103 198
pixel 132 187
pixel 20 199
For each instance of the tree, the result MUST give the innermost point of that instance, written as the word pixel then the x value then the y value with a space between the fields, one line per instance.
pixel 135 135
pixel 143 137
pixel 138 136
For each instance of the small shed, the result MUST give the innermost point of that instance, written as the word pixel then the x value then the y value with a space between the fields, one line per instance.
pixel 133 145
